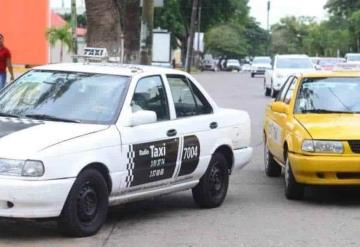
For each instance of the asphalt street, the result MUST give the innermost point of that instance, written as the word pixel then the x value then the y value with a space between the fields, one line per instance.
pixel 254 214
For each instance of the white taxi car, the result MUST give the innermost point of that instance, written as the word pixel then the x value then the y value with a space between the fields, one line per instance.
pixel 78 138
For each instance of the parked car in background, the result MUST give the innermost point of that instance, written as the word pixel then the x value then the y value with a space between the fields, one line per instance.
pixel 208 64
pixel 246 67
pixel 284 66
pixel 352 57
pixel 260 65
pixel 232 64
pixel 328 63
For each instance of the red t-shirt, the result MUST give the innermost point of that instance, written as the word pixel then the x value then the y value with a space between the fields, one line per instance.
pixel 4 54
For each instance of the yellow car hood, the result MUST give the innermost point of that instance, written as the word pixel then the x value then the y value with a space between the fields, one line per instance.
pixel 331 126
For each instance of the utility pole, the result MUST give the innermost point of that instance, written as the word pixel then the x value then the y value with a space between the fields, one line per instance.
pixel 146 37
pixel 198 31
pixel 268 15
pixel 190 43
pixel 74 28
pixel 268 25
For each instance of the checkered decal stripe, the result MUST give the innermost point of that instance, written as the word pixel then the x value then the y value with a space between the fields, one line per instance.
pixel 19 120
pixel 130 166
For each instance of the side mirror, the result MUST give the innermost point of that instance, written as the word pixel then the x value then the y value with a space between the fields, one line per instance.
pixel 279 107
pixel 143 117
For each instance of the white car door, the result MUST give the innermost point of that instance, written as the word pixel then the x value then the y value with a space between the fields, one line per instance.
pixel 196 124
pixel 149 150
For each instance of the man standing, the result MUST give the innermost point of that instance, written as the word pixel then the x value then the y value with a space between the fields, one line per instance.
pixel 5 62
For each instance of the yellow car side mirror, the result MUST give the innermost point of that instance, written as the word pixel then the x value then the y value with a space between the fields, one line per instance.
pixel 279 107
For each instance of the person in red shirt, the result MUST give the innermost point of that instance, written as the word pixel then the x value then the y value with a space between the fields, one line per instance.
pixel 5 62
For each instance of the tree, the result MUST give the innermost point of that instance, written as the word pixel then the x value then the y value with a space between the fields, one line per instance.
pixel 104 29
pixel 227 40
pixel 62 35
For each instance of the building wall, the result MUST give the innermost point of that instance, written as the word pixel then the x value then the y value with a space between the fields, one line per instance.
pixel 24 24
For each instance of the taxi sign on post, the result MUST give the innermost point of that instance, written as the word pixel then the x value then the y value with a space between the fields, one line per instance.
pixel 94 54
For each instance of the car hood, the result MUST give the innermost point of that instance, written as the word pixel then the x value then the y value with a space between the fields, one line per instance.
pixel 331 126
pixel 22 137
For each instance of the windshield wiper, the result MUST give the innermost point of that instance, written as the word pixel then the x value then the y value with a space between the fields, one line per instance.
pixel 324 111
pixel 3 114
pixel 51 118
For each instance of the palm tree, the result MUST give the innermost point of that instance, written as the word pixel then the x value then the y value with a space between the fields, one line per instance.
pixel 62 35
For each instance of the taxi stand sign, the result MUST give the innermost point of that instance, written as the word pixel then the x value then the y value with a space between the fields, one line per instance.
pixel 94 54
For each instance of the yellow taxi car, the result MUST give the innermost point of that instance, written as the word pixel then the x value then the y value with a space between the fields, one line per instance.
pixel 312 130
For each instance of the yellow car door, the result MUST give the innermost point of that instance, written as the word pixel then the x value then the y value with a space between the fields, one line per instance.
pixel 278 119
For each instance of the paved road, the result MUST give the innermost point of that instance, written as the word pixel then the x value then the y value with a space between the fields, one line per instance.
pixel 254 214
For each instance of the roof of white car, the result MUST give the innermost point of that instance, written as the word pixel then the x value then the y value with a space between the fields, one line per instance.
pixel 293 56
pixel 108 68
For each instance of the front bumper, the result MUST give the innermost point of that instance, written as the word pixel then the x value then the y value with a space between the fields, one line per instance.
pixel 326 170
pixel 242 157
pixel 33 199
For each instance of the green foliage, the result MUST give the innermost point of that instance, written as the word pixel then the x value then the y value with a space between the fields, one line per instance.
pixel 336 36
pixel 62 35
pixel 81 19
pixel 227 40
pixel 226 18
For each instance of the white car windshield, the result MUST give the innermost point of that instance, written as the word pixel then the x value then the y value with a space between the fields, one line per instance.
pixel 233 61
pixel 353 58
pixel 294 63
pixel 68 96
pixel 262 61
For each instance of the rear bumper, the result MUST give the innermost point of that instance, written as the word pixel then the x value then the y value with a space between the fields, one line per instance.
pixel 326 170
pixel 33 199
pixel 242 157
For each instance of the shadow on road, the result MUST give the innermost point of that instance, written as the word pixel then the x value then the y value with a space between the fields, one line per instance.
pixel 178 205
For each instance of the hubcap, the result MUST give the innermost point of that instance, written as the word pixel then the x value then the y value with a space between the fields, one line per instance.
pixel 216 180
pixel 87 203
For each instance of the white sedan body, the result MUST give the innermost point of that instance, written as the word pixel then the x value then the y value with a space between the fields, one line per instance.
pixel 275 78
pixel 142 160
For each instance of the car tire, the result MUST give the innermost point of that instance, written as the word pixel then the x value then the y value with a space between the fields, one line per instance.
pixel 267 91
pixel 212 188
pixel 273 92
pixel 272 168
pixel 86 207
pixel 293 189
pixel 252 75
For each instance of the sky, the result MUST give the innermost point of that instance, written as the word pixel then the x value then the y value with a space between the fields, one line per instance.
pixel 282 8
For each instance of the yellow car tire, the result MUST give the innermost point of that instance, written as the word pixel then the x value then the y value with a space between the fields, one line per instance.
pixel 293 189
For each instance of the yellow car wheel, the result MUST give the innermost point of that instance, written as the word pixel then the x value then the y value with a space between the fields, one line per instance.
pixel 293 190
pixel 272 169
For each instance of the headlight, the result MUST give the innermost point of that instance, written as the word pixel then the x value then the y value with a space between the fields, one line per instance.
pixel 28 168
pixel 33 168
pixel 322 146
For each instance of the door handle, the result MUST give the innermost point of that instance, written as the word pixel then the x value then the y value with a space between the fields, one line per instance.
pixel 213 125
pixel 171 132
